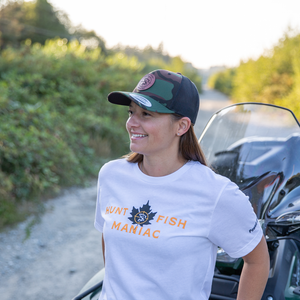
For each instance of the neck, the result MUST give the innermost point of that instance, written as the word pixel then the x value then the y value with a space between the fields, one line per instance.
pixel 157 167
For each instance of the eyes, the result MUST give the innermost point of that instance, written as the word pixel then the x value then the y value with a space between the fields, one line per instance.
pixel 144 113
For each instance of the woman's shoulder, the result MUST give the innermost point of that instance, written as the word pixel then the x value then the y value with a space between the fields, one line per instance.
pixel 217 184
pixel 206 173
pixel 114 165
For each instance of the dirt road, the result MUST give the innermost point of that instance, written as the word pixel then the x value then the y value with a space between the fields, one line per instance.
pixel 210 102
pixel 63 250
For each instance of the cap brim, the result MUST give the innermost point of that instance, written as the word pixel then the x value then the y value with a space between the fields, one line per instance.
pixel 144 101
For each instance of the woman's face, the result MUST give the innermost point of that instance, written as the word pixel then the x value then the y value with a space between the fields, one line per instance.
pixel 151 133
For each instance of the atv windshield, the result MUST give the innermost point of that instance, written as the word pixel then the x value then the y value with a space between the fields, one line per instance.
pixel 254 145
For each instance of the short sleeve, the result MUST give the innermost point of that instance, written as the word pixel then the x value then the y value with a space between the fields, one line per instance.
pixel 99 221
pixel 234 225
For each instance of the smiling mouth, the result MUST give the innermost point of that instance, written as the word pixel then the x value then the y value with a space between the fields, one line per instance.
pixel 138 135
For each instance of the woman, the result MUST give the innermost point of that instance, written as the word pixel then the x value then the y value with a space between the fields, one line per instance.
pixel 163 212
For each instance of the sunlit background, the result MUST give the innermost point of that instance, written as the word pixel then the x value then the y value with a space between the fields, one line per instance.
pixel 59 59
pixel 205 33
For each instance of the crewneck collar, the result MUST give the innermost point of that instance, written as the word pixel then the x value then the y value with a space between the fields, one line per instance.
pixel 163 179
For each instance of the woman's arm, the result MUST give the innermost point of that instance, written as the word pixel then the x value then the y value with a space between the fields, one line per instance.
pixel 255 273
pixel 103 249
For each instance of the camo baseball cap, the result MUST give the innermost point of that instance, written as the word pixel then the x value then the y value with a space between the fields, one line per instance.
pixel 162 91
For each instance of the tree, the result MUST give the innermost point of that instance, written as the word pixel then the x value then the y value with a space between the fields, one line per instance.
pixel 11 23
pixel 39 21
pixel 89 38
pixel 34 20
pixel 44 22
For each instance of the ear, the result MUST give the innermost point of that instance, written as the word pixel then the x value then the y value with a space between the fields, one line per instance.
pixel 183 126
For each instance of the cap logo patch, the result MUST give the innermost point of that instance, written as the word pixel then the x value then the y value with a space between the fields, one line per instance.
pixel 146 82
pixel 141 99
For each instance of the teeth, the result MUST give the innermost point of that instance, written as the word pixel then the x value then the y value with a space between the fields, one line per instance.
pixel 138 135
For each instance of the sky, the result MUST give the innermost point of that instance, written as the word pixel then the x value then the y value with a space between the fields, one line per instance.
pixel 205 33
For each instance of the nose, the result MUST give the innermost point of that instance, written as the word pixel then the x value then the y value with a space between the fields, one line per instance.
pixel 132 121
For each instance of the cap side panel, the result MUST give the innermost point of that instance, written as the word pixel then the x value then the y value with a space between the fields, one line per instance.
pixel 188 100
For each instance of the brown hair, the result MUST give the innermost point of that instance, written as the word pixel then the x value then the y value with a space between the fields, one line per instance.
pixel 189 147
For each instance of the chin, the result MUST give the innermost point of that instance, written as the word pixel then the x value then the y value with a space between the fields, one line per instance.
pixel 137 150
pixel 134 149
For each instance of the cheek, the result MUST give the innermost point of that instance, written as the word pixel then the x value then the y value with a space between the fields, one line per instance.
pixel 162 133
pixel 127 125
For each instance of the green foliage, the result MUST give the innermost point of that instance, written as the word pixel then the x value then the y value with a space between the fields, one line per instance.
pixel 34 20
pixel 145 55
pixel 222 81
pixel 56 126
pixel 273 78
pixel 292 100
pixel 37 21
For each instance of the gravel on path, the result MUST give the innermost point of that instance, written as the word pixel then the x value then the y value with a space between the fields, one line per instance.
pixel 61 254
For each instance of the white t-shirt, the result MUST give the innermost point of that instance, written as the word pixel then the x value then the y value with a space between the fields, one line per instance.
pixel 161 233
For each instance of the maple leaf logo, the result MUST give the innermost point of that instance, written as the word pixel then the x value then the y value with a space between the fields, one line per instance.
pixel 142 216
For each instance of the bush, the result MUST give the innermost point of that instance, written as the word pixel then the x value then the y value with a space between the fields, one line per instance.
pixel 222 81
pixel 55 117
pixel 273 78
